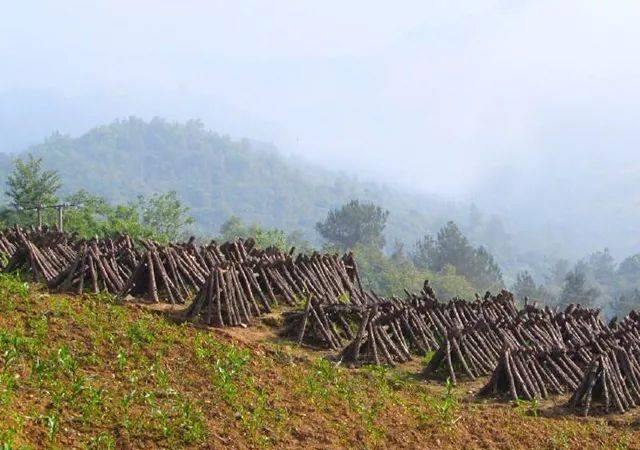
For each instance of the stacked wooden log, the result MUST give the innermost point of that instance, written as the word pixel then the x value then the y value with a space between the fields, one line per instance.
pixel 323 275
pixel 323 323
pixel 475 350
pixel 229 297
pixel 42 262
pixel 528 373
pixel 461 313
pixel 151 275
pixel 378 340
pixel 95 269
pixel 262 280
pixel 613 379
pixel 7 249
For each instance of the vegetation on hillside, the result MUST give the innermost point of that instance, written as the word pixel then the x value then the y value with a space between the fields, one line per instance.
pixel 91 373
pixel 355 226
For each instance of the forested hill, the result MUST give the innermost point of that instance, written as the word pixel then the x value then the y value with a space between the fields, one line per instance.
pixel 217 177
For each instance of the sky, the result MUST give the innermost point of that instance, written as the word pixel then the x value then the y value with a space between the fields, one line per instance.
pixel 528 108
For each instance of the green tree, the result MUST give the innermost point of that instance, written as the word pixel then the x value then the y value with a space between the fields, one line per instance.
pixel 525 286
pixel 449 284
pixel 89 216
pixel 452 248
pixel 626 302
pixel 161 218
pixel 384 276
pixel 602 266
pixel 354 223
pixel 29 185
pixel 576 290
pixel 398 254
pixel 424 252
pixel 557 272
pixel 164 214
pixel 484 271
pixel 629 269
pixel 94 216
pixel 391 276
pixel 268 237
pixel 232 229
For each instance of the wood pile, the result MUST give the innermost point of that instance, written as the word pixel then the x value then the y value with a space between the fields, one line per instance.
pixel 43 262
pixel 527 374
pixel 97 267
pixel 527 353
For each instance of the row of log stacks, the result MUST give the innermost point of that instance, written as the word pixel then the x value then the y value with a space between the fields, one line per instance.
pixel 260 284
pixel 459 313
pixel 174 272
pixel 475 349
pixel 603 369
pixel 95 269
pixel 328 322
pixel 612 378
pixel 322 275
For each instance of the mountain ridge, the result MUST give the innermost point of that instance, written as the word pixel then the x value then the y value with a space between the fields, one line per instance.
pixel 217 177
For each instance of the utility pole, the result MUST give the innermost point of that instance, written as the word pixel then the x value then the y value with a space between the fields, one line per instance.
pixel 39 213
pixel 59 208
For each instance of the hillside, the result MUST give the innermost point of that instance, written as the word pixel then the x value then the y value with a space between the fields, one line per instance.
pixel 218 177
pixel 89 372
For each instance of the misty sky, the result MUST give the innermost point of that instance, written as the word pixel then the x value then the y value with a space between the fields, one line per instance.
pixel 507 103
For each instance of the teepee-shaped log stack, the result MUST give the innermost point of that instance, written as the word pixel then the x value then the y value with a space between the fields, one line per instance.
pixel 322 323
pixel 613 379
pixel 93 269
pixel 528 374
pixel 43 264
pixel 227 298
pixel 376 342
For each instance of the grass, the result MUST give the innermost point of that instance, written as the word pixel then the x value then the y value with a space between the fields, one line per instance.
pixel 91 373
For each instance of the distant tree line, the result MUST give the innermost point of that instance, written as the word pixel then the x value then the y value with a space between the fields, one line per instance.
pixel 595 281
pixel 453 265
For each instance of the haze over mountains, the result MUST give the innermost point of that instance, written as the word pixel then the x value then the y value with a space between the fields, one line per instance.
pixel 487 102
pixel 218 177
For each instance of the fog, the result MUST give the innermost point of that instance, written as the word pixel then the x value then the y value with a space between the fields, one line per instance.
pixel 529 109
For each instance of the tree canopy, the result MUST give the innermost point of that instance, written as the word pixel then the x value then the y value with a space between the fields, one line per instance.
pixel 354 223
pixel 162 217
pixel 234 228
pixel 452 248
pixel 577 290
pixel 29 185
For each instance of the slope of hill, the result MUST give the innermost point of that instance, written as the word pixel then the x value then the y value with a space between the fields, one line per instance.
pixel 217 177
pixel 89 372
